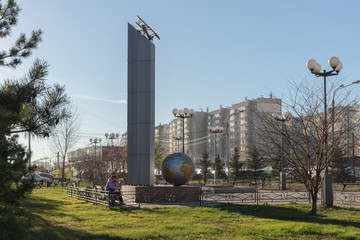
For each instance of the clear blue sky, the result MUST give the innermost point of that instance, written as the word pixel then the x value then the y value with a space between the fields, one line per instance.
pixel 211 52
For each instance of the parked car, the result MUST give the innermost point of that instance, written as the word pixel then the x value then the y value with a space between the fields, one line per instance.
pixel 48 175
pixel 37 178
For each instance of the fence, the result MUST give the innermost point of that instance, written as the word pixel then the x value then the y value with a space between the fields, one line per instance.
pixel 347 198
pixel 206 197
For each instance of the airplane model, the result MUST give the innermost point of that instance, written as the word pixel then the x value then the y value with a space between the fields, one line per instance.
pixel 146 30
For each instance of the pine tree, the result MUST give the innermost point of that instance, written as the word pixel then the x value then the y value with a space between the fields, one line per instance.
pixel 235 165
pixel 255 163
pixel 339 165
pixel 219 168
pixel 26 105
pixel 205 164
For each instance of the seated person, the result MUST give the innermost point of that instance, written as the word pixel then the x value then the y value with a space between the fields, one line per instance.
pixel 111 186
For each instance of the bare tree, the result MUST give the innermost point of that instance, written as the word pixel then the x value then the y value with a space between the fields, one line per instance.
pixel 159 154
pixel 303 139
pixel 122 164
pixel 65 136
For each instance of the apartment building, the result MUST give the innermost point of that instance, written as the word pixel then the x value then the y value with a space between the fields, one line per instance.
pixel 195 135
pixel 241 124
pixel 347 132
pixel 218 143
pixel 162 137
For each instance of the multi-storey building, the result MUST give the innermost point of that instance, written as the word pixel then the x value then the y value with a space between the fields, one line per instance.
pixel 217 143
pixel 195 134
pixel 162 137
pixel 241 124
pixel 347 132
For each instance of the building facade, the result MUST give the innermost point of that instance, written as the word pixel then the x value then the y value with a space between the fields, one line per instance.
pixel 241 124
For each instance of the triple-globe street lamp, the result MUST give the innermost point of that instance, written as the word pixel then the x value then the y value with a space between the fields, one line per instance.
pixel 215 131
pixel 315 68
pixel 95 141
pixel 282 174
pixel 185 113
pixel 112 136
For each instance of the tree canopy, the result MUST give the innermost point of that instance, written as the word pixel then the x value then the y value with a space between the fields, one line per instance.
pixel 27 105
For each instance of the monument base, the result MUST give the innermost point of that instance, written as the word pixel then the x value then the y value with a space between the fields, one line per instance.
pixel 162 193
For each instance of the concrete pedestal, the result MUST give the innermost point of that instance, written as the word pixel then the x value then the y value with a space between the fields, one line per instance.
pixel 282 185
pixel 162 193
pixel 327 199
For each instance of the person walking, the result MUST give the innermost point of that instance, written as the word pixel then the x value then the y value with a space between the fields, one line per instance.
pixel 112 185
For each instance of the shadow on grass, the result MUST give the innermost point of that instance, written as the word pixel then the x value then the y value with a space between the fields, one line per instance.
pixel 43 229
pixel 285 213
pixel 39 205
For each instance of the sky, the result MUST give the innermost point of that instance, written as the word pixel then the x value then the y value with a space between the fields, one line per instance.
pixel 210 52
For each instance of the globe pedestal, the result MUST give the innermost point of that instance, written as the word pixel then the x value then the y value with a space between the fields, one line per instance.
pixel 162 193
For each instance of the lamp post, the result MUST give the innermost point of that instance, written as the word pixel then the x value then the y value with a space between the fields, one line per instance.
pixel 315 68
pixel 95 141
pixel 215 131
pixel 282 175
pixel 112 136
pixel 185 113
pixel 177 138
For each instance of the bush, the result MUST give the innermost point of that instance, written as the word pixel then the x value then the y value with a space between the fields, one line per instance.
pixel 14 223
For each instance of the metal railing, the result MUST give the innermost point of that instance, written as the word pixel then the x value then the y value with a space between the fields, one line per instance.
pixel 206 197
pixel 347 198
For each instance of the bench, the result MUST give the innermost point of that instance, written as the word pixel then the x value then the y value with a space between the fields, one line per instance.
pixel 345 184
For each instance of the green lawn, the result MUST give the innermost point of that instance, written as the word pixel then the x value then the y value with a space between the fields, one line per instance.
pixel 57 216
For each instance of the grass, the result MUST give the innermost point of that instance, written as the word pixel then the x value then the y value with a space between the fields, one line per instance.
pixel 57 216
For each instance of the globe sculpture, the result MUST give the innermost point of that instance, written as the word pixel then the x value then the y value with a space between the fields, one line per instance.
pixel 178 168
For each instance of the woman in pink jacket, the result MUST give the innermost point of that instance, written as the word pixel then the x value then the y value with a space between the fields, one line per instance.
pixel 111 186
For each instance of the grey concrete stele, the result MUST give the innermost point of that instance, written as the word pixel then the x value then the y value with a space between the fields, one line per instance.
pixel 141 109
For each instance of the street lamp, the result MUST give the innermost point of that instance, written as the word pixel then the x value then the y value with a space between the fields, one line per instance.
pixel 177 138
pixel 95 141
pixel 112 136
pixel 185 113
pixel 315 68
pixel 215 131
pixel 282 175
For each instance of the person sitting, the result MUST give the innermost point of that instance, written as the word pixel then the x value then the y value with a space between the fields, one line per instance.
pixel 111 186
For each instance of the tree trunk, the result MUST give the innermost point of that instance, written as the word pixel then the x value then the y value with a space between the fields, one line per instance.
pixel 313 203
